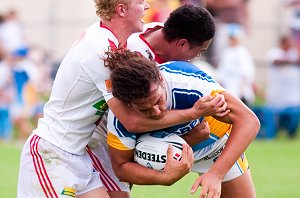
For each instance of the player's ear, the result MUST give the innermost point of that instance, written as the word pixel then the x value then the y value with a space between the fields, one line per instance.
pixel 183 43
pixel 121 9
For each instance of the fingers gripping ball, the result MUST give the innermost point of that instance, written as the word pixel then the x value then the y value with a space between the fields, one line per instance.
pixel 151 149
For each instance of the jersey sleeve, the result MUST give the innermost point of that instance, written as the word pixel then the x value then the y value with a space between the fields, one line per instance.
pixel 99 74
pixel 206 84
pixel 118 137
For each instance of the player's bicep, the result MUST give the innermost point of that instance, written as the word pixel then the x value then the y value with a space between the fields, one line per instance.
pixel 120 157
pixel 127 116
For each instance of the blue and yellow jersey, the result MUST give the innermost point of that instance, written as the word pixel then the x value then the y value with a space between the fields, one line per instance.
pixel 185 84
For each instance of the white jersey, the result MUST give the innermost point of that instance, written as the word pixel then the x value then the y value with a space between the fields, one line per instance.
pixel 79 94
pixel 137 42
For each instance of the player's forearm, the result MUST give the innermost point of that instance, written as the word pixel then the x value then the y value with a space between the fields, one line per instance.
pixel 232 152
pixel 134 122
pixel 245 126
pixel 134 173
pixel 171 118
pixel 242 134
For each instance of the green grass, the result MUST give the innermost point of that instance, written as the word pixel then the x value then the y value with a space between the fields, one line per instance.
pixel 9 170
pixel 275 167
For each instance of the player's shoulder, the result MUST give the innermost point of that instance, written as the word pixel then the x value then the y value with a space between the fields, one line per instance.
pixel 183 68
pixel 147 27
pixel 152 25
pixel 179 65
pixel 99 34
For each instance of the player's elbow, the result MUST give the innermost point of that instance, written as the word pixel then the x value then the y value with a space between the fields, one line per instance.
pixel 255 124
pixel 134 128
pixel 120 174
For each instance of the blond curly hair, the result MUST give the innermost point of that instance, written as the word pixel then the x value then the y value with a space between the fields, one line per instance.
pixel 105 9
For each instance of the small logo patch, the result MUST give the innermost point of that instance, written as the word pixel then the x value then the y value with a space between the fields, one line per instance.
pixel 101 106
pixel 71 192
pixel 108 85
pixel 177 156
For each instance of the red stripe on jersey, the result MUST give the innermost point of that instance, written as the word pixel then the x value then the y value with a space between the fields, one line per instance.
pixel 112 45
pixel 142 36
pixel 105 27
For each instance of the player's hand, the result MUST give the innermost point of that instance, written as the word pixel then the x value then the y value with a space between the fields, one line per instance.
pixel 174 169
pixel 211 185
pixel 211 106
pixel 198 134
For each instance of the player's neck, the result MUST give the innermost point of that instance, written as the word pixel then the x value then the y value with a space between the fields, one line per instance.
pixel 118 29
pixel 158 44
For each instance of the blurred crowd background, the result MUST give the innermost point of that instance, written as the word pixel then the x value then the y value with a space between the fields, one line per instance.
pixel 255 54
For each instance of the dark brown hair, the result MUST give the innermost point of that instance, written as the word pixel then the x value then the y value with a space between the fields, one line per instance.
pixel 190 22
pixel 131 74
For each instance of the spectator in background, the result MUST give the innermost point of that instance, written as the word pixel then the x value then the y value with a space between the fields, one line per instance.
pixel 226 12
pixel 6 97
pixel 283 90
pixel 160 10
pixel 204 66
pixel 294 19
pixel 2 51
pixel 236 70
pixel 12 34
pixel 30 80
pixel 20 79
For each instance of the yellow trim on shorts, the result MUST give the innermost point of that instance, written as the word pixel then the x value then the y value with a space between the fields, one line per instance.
pixel 243 162
pixel 114 141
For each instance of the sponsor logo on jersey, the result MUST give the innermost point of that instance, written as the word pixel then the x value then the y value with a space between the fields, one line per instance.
pixel 68 191
pixel 101 106
pixel 214 155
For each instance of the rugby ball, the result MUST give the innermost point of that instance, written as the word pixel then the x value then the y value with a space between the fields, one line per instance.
pixel 151 148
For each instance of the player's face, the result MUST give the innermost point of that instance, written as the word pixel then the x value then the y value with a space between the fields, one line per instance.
pixel 194 51
pixel 135 12
pixel 154 106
